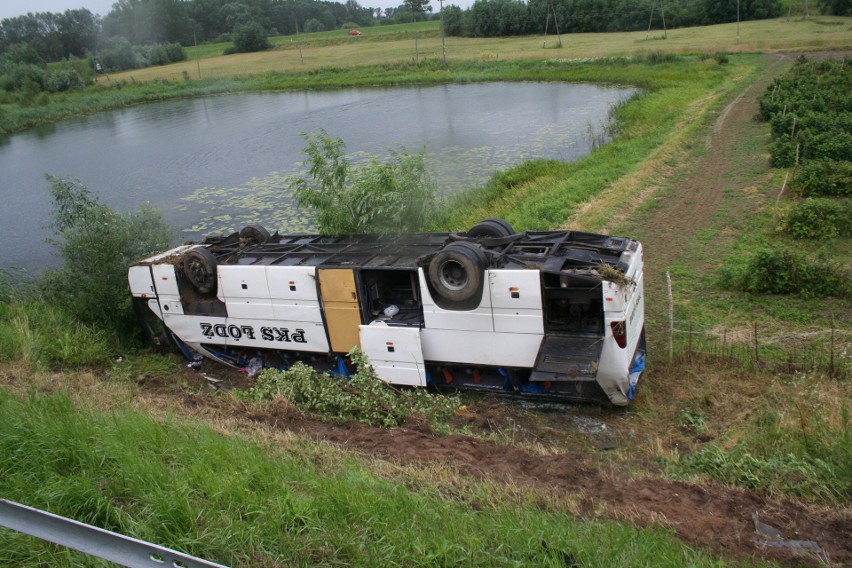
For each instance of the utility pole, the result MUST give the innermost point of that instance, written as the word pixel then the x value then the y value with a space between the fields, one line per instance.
pixel 556 23
pixel 197 64
pixel 298 41
pixel 806 15
pixel 551 8
pixel 738 21
pixel 443 35
pixel 650 19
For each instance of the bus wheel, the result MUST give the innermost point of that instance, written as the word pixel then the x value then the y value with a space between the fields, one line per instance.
pixel 199 266
pixel 253 235
pixel 493 227
pixel 456 272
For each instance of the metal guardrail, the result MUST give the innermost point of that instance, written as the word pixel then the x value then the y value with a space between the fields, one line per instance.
pixel 94 541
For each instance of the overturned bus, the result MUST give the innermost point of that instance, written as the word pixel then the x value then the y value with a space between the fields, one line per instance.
pixel 553 314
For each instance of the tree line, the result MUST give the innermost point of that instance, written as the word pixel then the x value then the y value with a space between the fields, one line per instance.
pixel 76 33
pixel 495 18
pixel 133 23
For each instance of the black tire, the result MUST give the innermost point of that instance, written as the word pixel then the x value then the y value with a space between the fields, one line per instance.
pixel 476 249
pixel 199 267
pixel 456 272
pixel 253 235
pixel 493 227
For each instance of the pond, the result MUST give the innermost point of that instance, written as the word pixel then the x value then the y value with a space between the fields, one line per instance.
pixel 216 164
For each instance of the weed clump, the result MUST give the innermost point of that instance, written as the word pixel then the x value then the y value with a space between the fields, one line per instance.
pixel 362 397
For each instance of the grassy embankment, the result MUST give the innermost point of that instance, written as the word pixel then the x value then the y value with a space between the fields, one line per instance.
pixel 283 499
pixel 276 499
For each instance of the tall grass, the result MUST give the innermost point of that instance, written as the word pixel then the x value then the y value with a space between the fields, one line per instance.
pixel 802 451
pixel 246 504
pixel 38 333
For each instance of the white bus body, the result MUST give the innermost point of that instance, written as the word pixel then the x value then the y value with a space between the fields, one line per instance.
pixel 554 314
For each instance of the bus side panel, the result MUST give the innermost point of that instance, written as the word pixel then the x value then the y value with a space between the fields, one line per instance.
pixel 480 348
pixel 248 333
pixel 435 317
pixel 516 301
pixel 395 353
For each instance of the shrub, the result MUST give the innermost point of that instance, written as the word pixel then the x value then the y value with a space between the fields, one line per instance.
pixel 362 396
pixel 820 219
pixel 250 37
pixel 164 53
pixel 97 245
pixel 65 79
pixel 117 55
pixel 391 197
pixel 810 107
pixel 779 271
pixel 816 178
pixel 782 153
pixel 22 77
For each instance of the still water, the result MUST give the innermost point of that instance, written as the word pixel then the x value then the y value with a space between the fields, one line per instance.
pixel 216 164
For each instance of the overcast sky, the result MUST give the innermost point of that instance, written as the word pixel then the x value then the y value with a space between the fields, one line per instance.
pixel 11 8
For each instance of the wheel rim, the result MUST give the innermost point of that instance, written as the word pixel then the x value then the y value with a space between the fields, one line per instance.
pixel 453 275
pixel 197 273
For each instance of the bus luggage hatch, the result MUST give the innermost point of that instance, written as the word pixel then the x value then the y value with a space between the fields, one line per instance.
pixel 568 358
pixel 340 304
pixel 395 353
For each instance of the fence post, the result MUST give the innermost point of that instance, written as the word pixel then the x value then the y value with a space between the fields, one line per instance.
pixel 831 370
pixel 689 339
pixel 671 317
pixel 778 200
pixel 756 348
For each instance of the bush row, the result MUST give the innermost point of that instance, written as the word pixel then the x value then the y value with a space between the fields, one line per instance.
pixel 823 178
pixel 781 271
pixel 119 55
pixel 809 111
pixel 816 218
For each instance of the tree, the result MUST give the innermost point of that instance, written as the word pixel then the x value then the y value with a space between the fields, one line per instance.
pixel 314 25
pixel 149 21
pixel 417 7
pixel 380 197
pixel 836 7
pixel 454 21
pixel 97 245
pixel 78 31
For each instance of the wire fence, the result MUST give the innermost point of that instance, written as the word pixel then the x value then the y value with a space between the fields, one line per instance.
pixel 827 350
